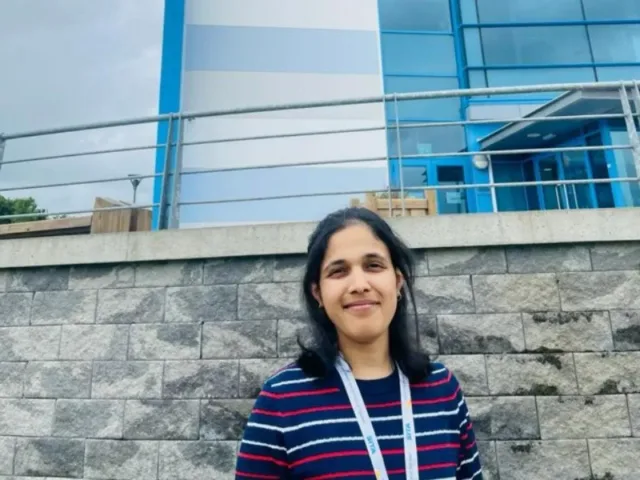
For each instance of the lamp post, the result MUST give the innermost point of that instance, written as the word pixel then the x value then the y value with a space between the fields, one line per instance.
pixel 135 182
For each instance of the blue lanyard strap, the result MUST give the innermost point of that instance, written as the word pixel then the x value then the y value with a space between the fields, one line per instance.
pixel 366 427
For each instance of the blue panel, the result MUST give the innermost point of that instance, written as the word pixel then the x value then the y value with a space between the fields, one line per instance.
pixel 266 49
pixel 170 85
pixel 516 77
pixel 418 54
pixel 613 74
pixel 424 140
pixel 615 43
pixel 422 15
pixel 611 9
pixel 442 109
pixel 498 11
pixel 510 199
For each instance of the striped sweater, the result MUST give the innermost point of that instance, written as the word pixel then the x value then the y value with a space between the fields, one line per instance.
pixel 305 428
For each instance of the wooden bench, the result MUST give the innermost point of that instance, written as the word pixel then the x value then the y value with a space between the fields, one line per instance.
pixel 414 207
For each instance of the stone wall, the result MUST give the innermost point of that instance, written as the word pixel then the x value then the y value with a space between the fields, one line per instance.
pixel 148 370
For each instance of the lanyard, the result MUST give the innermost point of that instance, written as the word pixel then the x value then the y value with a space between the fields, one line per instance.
pixel 366 427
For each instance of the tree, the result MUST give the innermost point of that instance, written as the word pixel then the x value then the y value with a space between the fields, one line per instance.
pixel 18 206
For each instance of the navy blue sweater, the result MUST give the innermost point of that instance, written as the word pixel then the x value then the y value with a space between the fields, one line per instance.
pixel 305 428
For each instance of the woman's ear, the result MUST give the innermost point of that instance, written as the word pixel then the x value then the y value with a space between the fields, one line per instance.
pixel 315 291
pixel 399 281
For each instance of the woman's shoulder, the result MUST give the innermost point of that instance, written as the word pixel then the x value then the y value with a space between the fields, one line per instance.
pixel 440 376
pixel 288 380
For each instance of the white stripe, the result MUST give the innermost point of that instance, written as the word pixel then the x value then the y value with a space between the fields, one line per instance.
pixel 468 460
pixel 474 475
pixel 440 370
pixel 267 445
pixel 292 382
pixel 287 369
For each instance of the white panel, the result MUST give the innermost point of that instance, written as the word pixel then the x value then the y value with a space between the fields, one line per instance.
pixel 332 14
pixel 226 90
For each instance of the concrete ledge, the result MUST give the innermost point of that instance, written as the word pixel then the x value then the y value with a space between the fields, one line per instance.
pixel 517 228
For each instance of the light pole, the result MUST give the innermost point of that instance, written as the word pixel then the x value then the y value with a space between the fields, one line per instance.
pixel 135 181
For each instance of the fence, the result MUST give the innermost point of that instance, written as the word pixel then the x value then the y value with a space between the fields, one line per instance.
pixel 169 178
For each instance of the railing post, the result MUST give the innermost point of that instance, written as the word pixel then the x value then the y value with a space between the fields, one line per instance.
pixel 494 196
pixel 399 151
pixel 2 144
pixel 162 223
pixel 631 126
pixel 176 183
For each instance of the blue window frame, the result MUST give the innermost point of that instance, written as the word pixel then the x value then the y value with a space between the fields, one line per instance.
pixel 418 54
pixel 420 15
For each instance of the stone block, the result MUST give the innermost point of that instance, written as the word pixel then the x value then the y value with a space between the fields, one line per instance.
pixel 544 460
pixel 250 339
pixel 608 373
pixel 131 305
pixel 55 457
pixel 170 342
pixel 201 379
pixel 488 460
pixel 600 290
pixel 26 418
pixel 127 380
pixel 568 331
pixel 516 293
pixel 634 413
pixel 89 418
pixel 161 419
pixel 428 331
pixel 470 371
pixel 583 417
pixel 626 329
pixel 197 460
pixel 38 279
pixel 228 271
pixel 542 374
pixel 94 342
pixel 289 268
pixel 266 301
pixel 7 450
pixel 288 331
pixel 29 343
pixel 164 274
pixel 57 380
pixel 11 378
pixel 202 304
pixel 436 295
pixel 65 307
pixel 4 277
pixel 616 256
pixel 548 258
pixel 15 309
pixel 504 418
pixel 253 374
pixel 97 277
pixel 224 419
pixel 615 458
pixel 461 261
pixel 493 333
pixel 124 460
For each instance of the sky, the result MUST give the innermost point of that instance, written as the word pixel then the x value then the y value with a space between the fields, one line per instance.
pixel 68 62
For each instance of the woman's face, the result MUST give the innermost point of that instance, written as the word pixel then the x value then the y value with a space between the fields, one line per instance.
pixel 358 285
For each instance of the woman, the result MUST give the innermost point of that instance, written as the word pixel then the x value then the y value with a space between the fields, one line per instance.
pixel 362 402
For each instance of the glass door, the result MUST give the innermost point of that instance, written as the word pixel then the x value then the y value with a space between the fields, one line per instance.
pixel 574 167
pixel 451 200
pixel 548 170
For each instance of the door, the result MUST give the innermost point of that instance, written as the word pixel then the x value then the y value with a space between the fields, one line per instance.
pixel 451 200
pixel 550 194
pixel 574 167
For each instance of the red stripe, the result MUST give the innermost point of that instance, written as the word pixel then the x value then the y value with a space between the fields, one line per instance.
pixel 464 436
pixel 355 473
pixel 425 448
pixel 323 456
pixel 434 383
pixel 431 401
pixel 302 393
pixel 471 445
pixel 264 458
pixel 425 467
pixel 257 475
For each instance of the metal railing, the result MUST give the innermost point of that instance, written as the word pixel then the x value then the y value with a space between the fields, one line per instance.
pixel 169 179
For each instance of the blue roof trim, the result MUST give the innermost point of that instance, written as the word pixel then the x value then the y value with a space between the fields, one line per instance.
pixel 170 84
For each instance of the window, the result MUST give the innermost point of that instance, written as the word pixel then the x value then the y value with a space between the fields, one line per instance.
pixel 614 74
pixel 505 11
pixel 418 54
pixel 615 43
pixel 535 45
pixel 424 140
pixel 611 9
pixel 509 199
pixel 626 168
pixel 511 78
pixel 424 15
pixel 437 109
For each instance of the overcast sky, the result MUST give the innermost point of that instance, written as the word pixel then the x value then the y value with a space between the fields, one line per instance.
pixel 67 62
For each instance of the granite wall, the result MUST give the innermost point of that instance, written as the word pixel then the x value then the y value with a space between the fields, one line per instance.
pixel 148 371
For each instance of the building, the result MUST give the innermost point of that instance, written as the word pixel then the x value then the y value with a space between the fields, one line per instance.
pixel 223 55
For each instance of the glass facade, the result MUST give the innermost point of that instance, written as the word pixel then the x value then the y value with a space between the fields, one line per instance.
pixel 431 45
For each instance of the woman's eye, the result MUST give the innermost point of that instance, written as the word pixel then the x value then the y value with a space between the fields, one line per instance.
pixel 376 265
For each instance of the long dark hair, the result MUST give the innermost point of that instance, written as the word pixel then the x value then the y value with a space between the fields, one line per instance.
pixel 319 357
